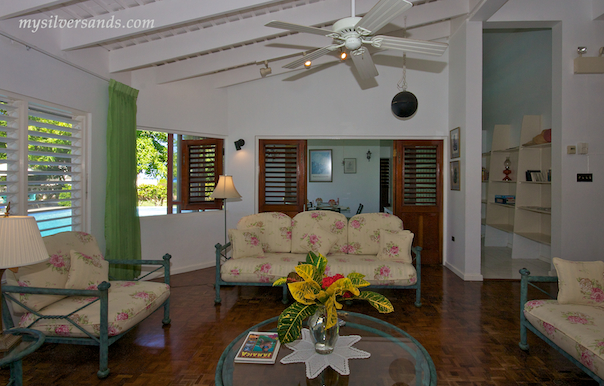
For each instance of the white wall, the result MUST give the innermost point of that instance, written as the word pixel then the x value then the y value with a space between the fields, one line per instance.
pixel 331 104
pixel 32 74
pixel 363 187
pixel 577 116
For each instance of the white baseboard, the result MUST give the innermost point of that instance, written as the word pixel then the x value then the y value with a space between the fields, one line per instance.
pixel 463 276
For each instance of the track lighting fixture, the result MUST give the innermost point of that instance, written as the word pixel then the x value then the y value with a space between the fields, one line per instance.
pixel 240 142
pixel 265 71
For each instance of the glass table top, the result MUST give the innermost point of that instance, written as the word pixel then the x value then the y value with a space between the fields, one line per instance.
pixel 396 359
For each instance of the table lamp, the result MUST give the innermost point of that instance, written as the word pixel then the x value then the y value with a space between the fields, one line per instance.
pixel 225 188
pixel 21 244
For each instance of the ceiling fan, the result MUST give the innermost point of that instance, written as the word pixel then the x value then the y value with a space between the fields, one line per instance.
pixel 351 33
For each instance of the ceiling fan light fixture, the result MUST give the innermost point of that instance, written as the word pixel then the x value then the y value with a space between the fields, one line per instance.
pixel 343 55
pixel 307 64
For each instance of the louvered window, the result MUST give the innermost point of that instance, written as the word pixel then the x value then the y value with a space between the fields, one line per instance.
pixel 202 164
pixel 50 142
pixel 282 176
pixel 9 156
pixel 420 175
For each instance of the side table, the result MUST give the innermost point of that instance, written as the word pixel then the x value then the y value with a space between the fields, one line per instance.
pixel 13 357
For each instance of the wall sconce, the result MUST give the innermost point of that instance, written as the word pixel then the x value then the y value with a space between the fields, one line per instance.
pixel 589 65
pixel 368 155
pixel 239 144
pixel 265 71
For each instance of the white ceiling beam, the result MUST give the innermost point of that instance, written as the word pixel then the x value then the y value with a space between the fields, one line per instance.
pixel 224 35
pixel 271 50
pixel 230 34
pixel 598 9
pixel 485 9
pixel 14 8
pixel 206 64
pixel 155 16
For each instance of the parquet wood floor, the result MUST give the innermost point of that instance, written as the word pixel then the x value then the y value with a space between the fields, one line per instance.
pixel 470 330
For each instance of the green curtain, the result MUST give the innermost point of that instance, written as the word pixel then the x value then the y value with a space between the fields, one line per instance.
pixel 122 226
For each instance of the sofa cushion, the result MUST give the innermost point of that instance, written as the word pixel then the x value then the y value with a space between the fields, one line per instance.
pixel 261 269
pixel 318 240
pixel 580 282
pixel 274 230
pixel 576 329
pixel 54 272
pixel 245 243
pixel 129 303
pixel 364 231
pixel 332 222
pixel 272 266
pixel 395 245
pixel 86 272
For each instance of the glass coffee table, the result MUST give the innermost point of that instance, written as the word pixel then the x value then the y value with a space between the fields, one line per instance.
pixel 396 359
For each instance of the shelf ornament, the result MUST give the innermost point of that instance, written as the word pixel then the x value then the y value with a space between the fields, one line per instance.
pixel 507 163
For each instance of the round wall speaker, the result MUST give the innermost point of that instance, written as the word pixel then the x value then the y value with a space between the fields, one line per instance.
pixel 404 104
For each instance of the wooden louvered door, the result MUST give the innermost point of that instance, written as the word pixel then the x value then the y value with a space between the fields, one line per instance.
pixel 418 194
pixel 202 164
pixel 282 185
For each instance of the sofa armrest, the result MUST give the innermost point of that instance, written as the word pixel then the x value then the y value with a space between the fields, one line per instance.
pixel 165 263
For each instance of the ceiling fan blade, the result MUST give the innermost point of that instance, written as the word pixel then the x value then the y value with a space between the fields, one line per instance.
pixel 298 28
pixel 409 45
pixel 382 13
pixel 364 64
pixel 313 55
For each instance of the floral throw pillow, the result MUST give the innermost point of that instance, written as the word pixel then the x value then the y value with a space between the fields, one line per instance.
pixel 86 272
pixel 318 240
pixel 245 243
pixel 395 245
pixel 580 282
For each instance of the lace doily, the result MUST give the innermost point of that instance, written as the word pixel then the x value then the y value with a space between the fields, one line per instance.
pixel 304 351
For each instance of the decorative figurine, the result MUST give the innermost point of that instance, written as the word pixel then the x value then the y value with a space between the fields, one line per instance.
pixel 507 170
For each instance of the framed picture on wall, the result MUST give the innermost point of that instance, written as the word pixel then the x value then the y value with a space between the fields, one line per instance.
pixel 455 176
pixel 455 143
pixel 320 166
pixel 350 165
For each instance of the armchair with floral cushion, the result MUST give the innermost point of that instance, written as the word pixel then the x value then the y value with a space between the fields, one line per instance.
pixel 71 299
pixel 571 322
pixel 267 246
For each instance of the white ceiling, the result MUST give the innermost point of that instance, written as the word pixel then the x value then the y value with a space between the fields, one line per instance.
pixel 191 38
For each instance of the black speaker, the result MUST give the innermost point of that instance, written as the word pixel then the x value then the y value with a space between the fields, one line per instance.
pixel 404 104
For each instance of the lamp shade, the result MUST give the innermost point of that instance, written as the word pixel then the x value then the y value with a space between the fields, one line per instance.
pixel 225 188
pixel 20 242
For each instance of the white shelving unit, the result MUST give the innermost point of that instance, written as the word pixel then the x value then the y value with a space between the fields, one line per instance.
pixel 525 225
pixel 532 229
pixel 500 217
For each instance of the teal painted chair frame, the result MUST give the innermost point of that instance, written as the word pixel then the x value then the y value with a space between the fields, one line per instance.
pixel 525 281
pixel 103 340
pixel 221 256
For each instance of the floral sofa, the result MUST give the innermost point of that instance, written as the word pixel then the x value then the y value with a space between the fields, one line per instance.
pixel 267 246
pixel 71 300
pixel 573 323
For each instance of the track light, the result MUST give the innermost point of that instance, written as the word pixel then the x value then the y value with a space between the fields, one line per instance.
pixel 343 55
pixel 265 71
pixel 240 142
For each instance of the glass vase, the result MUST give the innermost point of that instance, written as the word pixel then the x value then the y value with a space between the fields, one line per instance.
pixel 324 338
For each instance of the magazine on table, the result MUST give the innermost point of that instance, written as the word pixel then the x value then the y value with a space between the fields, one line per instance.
pixel 259 347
